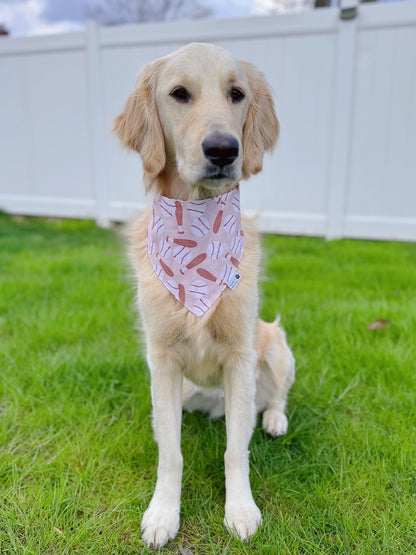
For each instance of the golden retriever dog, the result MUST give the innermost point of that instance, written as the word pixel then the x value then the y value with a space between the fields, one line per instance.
pixel 201 121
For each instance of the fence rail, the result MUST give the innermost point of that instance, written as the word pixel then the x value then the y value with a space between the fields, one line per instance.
pixel 345 93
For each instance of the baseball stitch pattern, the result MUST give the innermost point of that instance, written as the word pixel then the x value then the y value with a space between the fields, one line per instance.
pixel 195 247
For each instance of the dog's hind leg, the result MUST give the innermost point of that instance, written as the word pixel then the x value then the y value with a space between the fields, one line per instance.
pixel 275 375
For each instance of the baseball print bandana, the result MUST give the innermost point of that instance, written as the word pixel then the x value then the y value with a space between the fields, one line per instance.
pixel 196 246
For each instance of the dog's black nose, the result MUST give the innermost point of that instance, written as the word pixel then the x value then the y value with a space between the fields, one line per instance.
pixel 221 150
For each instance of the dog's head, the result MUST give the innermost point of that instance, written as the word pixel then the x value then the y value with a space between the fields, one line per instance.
pixel 200 119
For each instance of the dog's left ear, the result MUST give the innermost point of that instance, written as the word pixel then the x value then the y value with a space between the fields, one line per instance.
pixel 261 129
pixel 138 126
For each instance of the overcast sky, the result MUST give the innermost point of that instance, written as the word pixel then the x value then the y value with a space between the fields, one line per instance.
pixel 34 17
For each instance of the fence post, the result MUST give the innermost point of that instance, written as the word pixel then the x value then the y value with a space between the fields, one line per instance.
pixel 96 122
pixel 342 117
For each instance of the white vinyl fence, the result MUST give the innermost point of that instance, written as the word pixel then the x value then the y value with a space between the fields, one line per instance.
pixel 345 93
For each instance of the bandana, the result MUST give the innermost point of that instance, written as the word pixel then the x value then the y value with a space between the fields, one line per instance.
pixel 195 247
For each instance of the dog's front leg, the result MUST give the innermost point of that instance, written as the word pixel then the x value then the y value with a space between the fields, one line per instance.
pixel 160 522
pixel 242 516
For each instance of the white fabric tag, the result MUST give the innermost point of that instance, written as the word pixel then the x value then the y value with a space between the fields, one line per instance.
pixel 234 281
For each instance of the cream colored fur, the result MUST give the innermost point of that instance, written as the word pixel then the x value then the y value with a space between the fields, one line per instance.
pixel 226 361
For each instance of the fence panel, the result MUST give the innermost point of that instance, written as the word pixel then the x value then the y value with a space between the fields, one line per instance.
pixel 45 156
pixel 381 199
pixel 345 93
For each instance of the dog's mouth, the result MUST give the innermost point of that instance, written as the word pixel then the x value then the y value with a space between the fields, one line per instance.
pixel 214 177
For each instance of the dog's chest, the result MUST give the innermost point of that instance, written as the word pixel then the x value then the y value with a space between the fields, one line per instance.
pixel 202 360
pixel 204 372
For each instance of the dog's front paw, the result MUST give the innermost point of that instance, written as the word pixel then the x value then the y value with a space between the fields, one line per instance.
pixel 275 422
pixel 160 523
pixel 242 519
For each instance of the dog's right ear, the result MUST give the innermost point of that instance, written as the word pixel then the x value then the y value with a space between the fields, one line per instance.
pixel 138 126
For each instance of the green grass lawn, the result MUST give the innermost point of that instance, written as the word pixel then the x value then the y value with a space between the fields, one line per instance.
pixel 77 458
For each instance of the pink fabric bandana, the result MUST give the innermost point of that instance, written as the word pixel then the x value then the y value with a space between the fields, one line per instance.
pixel 196 246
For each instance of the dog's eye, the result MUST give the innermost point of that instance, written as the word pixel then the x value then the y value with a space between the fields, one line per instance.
pixel 181 95
pixel 236 95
